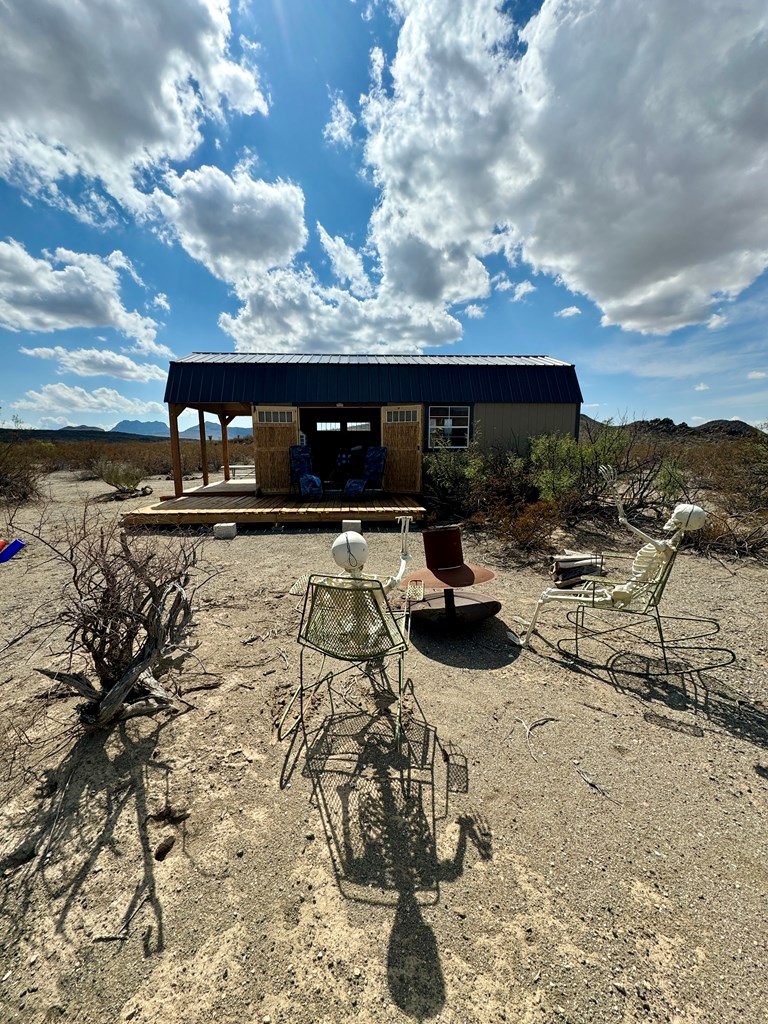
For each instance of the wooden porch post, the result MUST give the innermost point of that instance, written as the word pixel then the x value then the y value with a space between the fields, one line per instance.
pixel 203 446
pixel 173 420
pixel 224 421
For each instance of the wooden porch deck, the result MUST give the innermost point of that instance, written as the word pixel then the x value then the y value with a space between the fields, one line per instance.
pixel 206 506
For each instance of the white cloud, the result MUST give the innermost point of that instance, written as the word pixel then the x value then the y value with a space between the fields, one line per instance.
pixel 61 398
pixel 474 312
pixel 65 290
pixel 338 130
pixel 757 375
pixel 716 321
pixel 522 289
pixel 701 387
pixel 286 311
pixel 347 264
pixel 591 157
pixel 237 225
pixel 161 301
pixel 501 283
pixel 568 311
pixel 109 90
pixel 92 362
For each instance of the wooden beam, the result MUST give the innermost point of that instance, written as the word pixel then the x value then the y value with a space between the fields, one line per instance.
pixel 203 446
pixel 173 420
pixel 223 422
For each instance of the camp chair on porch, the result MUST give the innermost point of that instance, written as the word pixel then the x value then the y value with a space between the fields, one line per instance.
pixel 634 598
pixel 349 621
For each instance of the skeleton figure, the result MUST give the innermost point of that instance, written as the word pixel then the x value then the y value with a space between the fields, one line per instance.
pixel 647 566
pixel 350 552
pixel 654 552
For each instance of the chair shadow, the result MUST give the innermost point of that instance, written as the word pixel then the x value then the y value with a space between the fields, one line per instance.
pixel 688 683
pixel 484 646
pixel 64 820
pixel 377 804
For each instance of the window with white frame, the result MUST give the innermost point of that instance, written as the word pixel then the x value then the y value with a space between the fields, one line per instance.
pixel 402 416
pixel 328 427
pixel 449 426
pixel 275 415
pixel 359 426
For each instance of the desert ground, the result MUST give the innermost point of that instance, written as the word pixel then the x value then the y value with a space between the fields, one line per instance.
pixel 594 848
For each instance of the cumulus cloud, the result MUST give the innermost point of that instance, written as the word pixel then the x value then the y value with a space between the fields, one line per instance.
pixel 287 311
pixel 61 398
pixel 338 130
pixel 592 157
pixel 474 312
pixel 568 311
pixel 346 262
pixel 109 90
pixel 234 225
pixel 64 290
pixel 757 375
pixel 522 289
pixel 701 387
pixel 92 362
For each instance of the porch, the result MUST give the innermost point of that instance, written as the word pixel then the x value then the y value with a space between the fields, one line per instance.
pixel 235 501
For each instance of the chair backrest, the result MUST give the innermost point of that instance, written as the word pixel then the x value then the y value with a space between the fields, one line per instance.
pixel 651 568
pixel 375 459
pixel 349 619
pixel 300 460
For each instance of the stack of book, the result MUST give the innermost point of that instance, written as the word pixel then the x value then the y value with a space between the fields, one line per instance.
pixel 570 568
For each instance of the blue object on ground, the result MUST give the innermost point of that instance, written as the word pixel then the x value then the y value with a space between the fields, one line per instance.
pixel 12 549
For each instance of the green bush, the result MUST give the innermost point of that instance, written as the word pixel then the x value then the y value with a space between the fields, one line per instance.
pixel 120 475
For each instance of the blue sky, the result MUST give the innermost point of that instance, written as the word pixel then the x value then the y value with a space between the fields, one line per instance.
pixel 582 178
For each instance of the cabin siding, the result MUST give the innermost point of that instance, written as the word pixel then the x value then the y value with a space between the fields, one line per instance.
pixel 505 425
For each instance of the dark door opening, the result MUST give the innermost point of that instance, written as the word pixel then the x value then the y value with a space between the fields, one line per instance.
pixel 331 432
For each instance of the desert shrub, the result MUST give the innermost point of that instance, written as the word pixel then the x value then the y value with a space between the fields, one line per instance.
pixel 124 477
pixel 448 487
pixel 524 526
pixel 19 474
pixel 556 467
pixel 124 607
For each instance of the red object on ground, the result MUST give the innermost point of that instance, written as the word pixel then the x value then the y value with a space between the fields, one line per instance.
pixel 3 544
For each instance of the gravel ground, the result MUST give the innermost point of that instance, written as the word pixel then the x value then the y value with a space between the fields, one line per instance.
pixel 606 863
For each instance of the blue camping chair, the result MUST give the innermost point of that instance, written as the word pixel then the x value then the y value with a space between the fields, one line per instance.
pixel 300 462
pixel 373 467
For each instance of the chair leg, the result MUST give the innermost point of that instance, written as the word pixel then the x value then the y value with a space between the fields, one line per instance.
pixel 661 640
pixel 532 624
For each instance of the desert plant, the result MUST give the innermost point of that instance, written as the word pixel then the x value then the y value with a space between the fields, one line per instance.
pixel 124 608
pixel 19 472
pixel 123 476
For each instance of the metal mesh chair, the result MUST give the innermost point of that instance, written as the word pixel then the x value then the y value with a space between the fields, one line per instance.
pixel 349 620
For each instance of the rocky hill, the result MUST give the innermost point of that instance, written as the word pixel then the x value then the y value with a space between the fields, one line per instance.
pixel 714 430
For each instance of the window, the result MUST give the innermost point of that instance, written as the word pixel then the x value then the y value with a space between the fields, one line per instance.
pixel 275 416
pixel 449 426
pixel 359 426
pixel 328 427
pixel 402 416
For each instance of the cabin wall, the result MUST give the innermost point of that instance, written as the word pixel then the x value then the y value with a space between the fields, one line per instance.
pixel 513 425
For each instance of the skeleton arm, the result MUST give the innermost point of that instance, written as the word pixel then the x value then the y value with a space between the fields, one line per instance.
pixel 608 473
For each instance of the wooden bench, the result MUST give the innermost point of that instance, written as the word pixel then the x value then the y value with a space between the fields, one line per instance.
pixel 243 470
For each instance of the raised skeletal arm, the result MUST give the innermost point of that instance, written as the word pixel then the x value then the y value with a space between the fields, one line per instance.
pixel 608 473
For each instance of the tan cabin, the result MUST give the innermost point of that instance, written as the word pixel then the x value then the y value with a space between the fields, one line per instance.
pixel 342 403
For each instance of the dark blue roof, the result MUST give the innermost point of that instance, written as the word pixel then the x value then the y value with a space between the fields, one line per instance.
pixel 214 378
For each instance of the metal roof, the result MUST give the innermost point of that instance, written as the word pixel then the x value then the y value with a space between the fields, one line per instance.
pixel 214 378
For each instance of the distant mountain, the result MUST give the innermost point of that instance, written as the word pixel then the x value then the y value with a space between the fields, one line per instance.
pixel 213 429
pixel 159 429
pixel 155 427
pixel 81 428
pixel 713 430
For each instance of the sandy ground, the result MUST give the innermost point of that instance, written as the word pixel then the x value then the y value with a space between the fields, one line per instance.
pixel 606 863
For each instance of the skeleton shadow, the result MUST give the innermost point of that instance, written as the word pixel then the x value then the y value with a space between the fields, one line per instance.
pixel 55 845
pixel 377 804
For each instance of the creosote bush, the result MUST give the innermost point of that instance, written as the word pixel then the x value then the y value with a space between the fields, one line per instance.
pixel 123 476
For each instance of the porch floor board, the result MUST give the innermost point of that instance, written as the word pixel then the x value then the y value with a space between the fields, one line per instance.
pixel 206 509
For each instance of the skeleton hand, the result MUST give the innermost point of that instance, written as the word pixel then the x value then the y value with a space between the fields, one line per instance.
pixel 608 473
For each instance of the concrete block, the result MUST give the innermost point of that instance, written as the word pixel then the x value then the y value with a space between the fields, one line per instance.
pixel 355 525
pixel 225 531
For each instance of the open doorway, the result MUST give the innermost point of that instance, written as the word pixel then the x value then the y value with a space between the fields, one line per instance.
pixel 332 432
